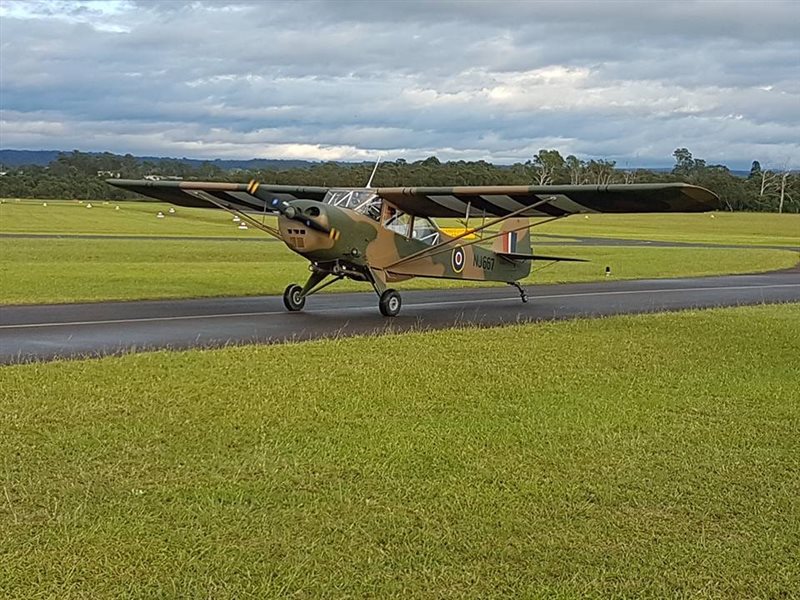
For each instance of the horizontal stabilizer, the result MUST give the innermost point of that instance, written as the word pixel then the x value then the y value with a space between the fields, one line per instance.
pixel 516 256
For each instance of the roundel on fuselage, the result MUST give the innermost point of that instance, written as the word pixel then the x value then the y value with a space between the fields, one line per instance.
pixel 457 259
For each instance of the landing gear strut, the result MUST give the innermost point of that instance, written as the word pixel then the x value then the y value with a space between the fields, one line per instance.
pixel 388 299
pixel 294 296
pixel 523 296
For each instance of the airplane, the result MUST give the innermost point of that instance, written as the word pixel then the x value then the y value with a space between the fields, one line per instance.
pixel 387 234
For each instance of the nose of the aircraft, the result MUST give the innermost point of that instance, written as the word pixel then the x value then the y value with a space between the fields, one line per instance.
pixel 309 212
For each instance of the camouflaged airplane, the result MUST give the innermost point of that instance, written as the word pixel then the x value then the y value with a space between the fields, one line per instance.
pixel 384 235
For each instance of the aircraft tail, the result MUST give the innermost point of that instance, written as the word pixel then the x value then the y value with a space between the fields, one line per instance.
pixel 515 237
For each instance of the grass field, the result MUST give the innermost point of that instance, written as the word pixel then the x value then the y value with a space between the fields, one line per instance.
pixel 649 456
pixel 139 218
pixel 71 270
pixel 712 228
pixel 132 218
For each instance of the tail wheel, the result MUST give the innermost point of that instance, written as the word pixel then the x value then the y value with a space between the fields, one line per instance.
pixel 390 303
pixel 293 298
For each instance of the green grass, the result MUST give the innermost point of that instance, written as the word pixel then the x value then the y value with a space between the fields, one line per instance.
pixel 715 228
pixel 138 218
pixel 71 217
pixel 72 270
pixel 650 456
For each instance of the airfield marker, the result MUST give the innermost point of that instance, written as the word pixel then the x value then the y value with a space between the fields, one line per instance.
pixel 160 215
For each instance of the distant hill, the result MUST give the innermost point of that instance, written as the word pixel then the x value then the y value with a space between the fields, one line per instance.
pixel 21 158
pixel 42 158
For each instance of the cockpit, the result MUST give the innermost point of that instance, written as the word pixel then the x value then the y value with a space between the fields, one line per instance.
pixel 361 201
pixel 369 204
pixel 415 227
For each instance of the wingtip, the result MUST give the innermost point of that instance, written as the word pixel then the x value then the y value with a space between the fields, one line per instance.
pixel 703 196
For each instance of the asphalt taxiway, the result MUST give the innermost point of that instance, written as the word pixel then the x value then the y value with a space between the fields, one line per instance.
pixel 47 332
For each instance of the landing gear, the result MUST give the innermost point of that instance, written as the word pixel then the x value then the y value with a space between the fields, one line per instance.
pixel 389 303
pixel 293 298
pixel 523 296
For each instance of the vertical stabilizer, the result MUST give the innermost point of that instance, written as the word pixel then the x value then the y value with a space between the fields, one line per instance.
pixel 515 237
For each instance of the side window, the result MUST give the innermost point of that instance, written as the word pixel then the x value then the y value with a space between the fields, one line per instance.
pixel 425 231
pixel 397 221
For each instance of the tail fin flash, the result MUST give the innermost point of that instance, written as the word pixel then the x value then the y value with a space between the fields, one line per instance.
pixel 515 237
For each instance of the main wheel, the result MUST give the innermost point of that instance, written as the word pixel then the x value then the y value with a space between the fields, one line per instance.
pixel 293 299
pixel 389 303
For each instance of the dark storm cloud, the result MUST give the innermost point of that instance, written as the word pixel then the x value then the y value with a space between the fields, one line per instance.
pixel 621 80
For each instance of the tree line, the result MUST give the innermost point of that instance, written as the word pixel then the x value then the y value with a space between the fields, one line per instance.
pixel 78 175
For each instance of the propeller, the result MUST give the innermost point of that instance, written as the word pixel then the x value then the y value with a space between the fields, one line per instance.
pixel 284 208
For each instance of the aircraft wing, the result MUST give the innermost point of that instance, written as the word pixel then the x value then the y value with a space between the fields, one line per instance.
pixel 560 199
pixel 207 194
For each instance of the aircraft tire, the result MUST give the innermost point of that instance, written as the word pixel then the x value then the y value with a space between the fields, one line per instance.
pixel 390 303
pixel 292 299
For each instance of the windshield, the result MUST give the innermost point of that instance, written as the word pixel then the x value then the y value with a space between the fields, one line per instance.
pixel 361 201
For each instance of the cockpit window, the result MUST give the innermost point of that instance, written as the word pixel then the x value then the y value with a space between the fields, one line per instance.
pixel 397 221
pixel 361 201
pixel 425 231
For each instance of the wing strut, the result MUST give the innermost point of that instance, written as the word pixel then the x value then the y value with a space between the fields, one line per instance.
pixel 432 250
pixel 440 250
pixel 242 215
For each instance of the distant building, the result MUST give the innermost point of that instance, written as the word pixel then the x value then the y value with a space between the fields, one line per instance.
pixel 111 174
pixel 162 178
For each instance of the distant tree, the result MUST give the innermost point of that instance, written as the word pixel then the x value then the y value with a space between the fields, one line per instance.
pixel 685 164
pixel 755 170
pixel 75 175
pixel 765 180
pixel 576 169
pixel 600 172
pixel 785 183
pixel 683 161
pixel 548 165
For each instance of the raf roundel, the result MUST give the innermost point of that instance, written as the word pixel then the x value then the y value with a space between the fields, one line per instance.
pixel 458 259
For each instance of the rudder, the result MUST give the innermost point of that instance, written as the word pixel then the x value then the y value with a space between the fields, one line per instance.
pixel 515 237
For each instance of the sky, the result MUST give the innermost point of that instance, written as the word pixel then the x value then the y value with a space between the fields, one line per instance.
pixel 624 81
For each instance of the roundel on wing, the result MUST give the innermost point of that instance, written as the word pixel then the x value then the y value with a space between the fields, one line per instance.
pixel 458 258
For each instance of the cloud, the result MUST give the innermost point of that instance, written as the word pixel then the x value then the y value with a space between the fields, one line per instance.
pixel 346 80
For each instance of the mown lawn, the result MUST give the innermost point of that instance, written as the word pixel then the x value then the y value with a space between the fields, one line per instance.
pixel 711 228
pixel 139 218
pixel 72 270
pixel 72 217
pixel 648 456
